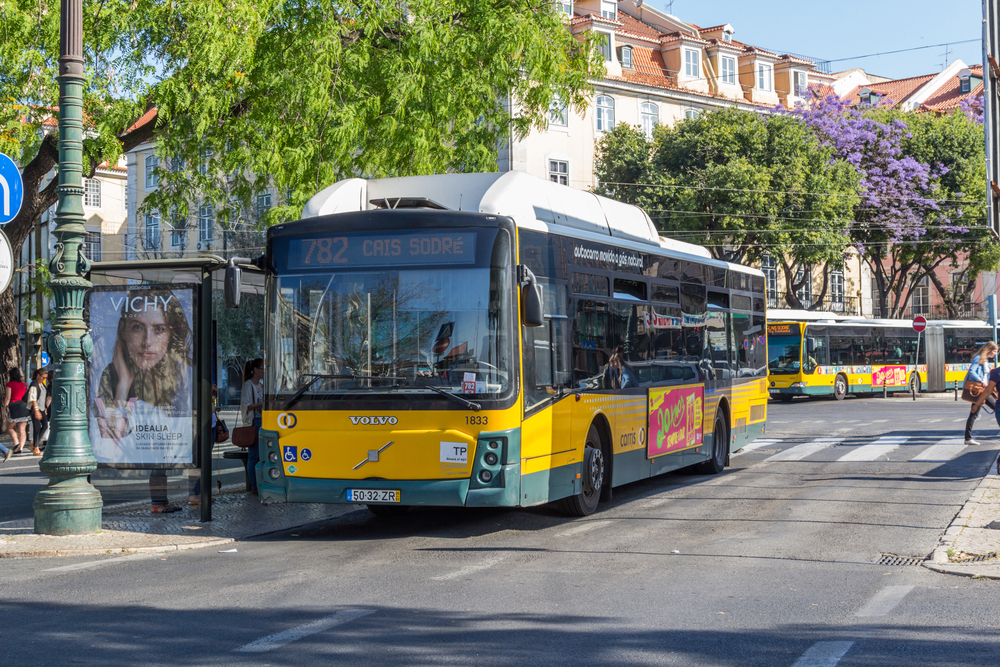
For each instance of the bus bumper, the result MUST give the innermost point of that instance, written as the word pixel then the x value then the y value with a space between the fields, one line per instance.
pixel 799 391
pixel 501 487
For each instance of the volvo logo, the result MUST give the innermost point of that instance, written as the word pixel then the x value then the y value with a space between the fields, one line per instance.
pixel 373 421
pixel 287 420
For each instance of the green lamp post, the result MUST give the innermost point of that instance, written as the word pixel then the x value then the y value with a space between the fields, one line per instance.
pixel 69 504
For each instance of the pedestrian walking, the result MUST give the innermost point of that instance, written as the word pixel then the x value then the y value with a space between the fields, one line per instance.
pixel 251 412
pixel 17 410
pixel 37 394
pixel 979 388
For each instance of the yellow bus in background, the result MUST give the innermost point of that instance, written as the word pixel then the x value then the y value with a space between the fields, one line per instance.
pixel 497 340
pixel 837 356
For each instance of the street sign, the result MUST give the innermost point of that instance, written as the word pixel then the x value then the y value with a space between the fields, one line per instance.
pixel 11 190
pixel 919 323
pixel 441 345
pixel 6 262
pixel 45 359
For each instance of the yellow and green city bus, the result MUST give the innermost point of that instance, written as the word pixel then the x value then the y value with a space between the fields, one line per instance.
pixel 832 355
pixel 497 340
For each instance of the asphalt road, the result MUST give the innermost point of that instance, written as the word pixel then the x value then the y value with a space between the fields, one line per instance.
pixel 772 563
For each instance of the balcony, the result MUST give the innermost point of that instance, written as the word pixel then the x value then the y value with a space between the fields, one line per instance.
pixel 845 306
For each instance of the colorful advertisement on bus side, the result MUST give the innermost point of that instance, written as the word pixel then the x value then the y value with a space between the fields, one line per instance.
pixel 889 376
pixel 675 419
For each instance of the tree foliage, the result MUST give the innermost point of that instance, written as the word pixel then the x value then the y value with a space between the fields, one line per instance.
pixel 741 183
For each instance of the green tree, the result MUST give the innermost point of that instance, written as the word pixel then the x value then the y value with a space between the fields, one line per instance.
pixel 741 183
pixel 301 93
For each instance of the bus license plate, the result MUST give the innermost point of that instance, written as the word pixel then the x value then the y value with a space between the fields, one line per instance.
pixel 372 496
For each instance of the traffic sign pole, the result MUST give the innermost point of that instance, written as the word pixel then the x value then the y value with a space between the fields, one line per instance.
pixel 919 324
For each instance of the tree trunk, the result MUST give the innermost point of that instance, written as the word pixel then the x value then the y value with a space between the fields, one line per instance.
pixel 822 293
pixel 791 287
pixel 10 338
pixel 946 295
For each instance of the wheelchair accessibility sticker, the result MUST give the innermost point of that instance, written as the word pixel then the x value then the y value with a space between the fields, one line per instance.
pixel 290 454
pixel 306 454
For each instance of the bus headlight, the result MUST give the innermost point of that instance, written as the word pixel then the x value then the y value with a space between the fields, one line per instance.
pixel 274 473
pixel 797 385
pixel 485 476
pixel 491 459
pixel 273 457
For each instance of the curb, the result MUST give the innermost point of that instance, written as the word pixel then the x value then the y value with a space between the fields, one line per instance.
pixel 52 553
pixel 939 559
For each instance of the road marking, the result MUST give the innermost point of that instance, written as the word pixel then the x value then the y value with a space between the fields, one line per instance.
pixel 884 601
pixel 653 504
pixel 962 419
pixel 933 421
pixel 799 452
pixel 757 444
pixel 470 569
pixel 824 654
pixel 879 421
pixel 100 563
pixel 272 642
pixel 945 450
pixel 875 450
pixel 583 528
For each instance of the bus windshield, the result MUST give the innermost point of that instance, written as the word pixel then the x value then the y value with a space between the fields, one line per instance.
pixel 381 329
pixel 783 354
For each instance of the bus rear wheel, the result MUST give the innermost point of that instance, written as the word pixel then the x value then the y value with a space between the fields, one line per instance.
pixel 720 447
pixel 840 387
pixel 594 467
pixel 388 511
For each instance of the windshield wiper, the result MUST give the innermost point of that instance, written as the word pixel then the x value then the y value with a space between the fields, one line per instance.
pixel 472 405
pixel 301 390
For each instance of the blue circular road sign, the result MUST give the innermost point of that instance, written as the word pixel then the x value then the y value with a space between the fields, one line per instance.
pixel 11 190
pixel 45 359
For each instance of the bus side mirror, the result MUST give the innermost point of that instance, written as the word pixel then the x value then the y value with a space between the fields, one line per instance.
pixel 810 345
pixel 531 306
pixel 232 283
pixel 532 314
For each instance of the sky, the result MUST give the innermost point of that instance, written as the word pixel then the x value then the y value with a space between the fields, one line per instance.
pixel 849 28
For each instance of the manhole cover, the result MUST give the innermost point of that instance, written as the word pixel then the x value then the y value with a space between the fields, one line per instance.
pixel 976 559
pixel 893 559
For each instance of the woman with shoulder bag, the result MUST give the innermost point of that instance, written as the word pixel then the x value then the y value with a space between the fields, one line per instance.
pixel 976 385
pixel 251 413
pixel 17 410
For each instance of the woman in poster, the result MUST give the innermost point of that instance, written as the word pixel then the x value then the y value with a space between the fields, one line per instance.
pixel 147 386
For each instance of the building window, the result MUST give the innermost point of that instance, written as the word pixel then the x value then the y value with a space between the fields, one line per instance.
pixel 206 156
pixel 729 70
pixel 960 286
pixel 558 113
pixel 605 113
pixel 152 163
pixel 559 171
pixel 650 116
pixel 92 246
pixel 966 86
pixel 764 77
pixel 177 164
pixel 604 45
pixel 609 10
pixel 153 230
pixel 727 36
pixel 565 6
pixel 770 268
pixel 804 293
pixel 206 222
pixel 920 300
pixel 801 84
pixel 627 56
pixel 91 193
pixel 125 197
pixel 837 290
pixel 692 64
pixel 178 231
pixel 263 204
pixel 691 114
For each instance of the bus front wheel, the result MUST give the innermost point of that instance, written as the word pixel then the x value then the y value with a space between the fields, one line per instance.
pixel 840 388
pixel 785 398
pixel 594 467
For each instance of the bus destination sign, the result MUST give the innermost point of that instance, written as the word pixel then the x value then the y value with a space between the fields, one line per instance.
pixel 353 251
pixel 782 329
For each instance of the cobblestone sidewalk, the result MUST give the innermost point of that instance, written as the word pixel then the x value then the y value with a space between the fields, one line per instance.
pixel 130 528
pixel 971 545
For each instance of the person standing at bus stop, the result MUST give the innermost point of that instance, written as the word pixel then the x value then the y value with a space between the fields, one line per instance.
pixel 251 412
pixel 977 375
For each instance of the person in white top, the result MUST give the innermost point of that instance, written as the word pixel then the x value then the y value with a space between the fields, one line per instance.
pixel 251 411
pixel 36 405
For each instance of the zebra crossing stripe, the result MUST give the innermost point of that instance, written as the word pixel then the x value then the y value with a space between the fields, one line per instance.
pixel 875 450
pixel 945 450
pixel 757 444
pixel 799 452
